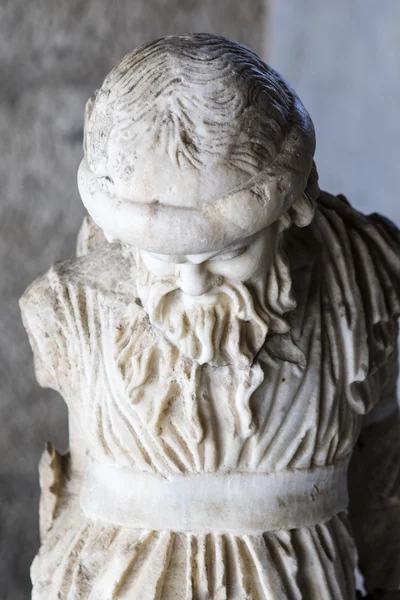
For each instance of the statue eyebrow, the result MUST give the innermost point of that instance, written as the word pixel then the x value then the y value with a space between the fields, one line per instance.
pixel 182 258
pixel 204 256
pixel 211 255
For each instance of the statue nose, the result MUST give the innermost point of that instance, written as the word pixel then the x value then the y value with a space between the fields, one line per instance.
pixel 194 279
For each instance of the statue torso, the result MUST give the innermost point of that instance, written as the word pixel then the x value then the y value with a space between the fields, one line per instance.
pixel 143 407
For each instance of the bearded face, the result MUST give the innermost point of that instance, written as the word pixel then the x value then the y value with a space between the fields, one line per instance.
pixel 214 308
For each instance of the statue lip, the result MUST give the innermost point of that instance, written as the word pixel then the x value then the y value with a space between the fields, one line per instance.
pixel 174 229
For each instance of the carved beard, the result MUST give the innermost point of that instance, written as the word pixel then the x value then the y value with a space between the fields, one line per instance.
pixel 227 330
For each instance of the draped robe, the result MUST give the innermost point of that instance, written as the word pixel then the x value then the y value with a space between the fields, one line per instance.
pixel 119 376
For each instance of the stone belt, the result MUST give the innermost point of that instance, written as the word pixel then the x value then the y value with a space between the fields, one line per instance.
pixel 238 502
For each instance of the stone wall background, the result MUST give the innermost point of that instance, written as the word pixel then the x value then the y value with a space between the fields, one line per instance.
pixel 53 55
pixel 342 58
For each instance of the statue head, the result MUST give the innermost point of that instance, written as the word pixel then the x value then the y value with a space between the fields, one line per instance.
pixel 199 155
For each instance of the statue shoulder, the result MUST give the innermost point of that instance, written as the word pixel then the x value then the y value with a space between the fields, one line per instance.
pixel 346 280
pixel 370 247
pixel 107 269
pixel 360 279
pixel 339 230
pixel 55 307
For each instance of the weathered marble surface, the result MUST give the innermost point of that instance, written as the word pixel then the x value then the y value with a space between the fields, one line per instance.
pixel 307 42
pixel 233 332
pixel 52 55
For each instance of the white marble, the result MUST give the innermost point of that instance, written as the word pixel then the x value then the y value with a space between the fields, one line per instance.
pixel 225 334
pixel 52 56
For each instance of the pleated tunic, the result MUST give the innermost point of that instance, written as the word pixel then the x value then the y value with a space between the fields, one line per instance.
pixel 93 343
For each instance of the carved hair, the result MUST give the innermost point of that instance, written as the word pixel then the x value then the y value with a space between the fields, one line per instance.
pixel 199 95
pixel 213 109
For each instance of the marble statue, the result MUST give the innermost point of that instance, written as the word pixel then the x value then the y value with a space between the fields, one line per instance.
pixel 225 343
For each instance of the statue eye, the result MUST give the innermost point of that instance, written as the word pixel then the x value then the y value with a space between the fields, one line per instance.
pixel 229 254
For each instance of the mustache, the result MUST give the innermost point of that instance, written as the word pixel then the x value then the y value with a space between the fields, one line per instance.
pixel 161 293
pixel 226 328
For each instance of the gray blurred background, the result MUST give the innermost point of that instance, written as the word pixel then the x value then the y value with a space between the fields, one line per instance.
pixel 342 57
